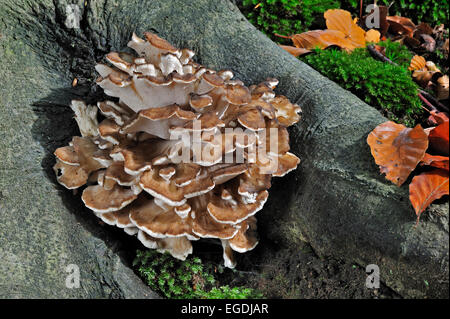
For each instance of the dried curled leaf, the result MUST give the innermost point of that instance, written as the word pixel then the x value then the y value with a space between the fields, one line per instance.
pixel 442 85
pixel 439 136
pixel 435 161
pixel 397 149
pixel 401 26
pixel 417 62
pixel 427 187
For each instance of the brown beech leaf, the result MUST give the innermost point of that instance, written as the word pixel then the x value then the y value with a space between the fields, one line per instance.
pixel 320 39
pixel 341 20
pixel 401 26
pixel 435 161
pixel 417 62
pixel 423 28
pixel 442 85
pixel 338 38
pixel 295 51
pixel 307 40
pixel 427 187
pixel 397 149
pixel 439 136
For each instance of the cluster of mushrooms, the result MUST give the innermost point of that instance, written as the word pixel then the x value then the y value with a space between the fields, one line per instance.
pixel 173 159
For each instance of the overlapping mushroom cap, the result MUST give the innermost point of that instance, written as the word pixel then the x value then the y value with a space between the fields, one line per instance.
pixel 182 153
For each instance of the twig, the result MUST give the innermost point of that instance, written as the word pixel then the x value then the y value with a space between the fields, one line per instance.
pixel 424 100
pixel 379 56
pixel 441 107
pixel 283 36
pixel 360 9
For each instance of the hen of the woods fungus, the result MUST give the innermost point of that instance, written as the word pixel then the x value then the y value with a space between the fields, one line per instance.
pixel 183 152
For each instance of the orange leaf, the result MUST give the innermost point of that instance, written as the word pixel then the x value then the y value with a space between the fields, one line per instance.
pixel 438 137
pixel 295 51
pixel 417 62
pixel 435 161
pixel 341 20
pixel 373 36
pixel 397 149
pixel 427 187
pixel 338 38
pixel 320 39
pixel 309 40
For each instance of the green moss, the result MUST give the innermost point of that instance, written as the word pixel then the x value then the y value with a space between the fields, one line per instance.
pixel 286 17
pixel 187 279
pixel 382 85
pixel 397 53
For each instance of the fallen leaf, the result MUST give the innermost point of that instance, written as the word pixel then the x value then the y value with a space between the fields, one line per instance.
pixel 397 149
pixel 423 28
pixel 442 85
pixel 341 20
pixel 373 36
pixel 309 40
pixel 417 62
pixel 427 187
pixel 435 161
pixel 321 39
pixel 295 51
pixel 338 38
pixel 422 77
pixel 439 136
pixel 401 26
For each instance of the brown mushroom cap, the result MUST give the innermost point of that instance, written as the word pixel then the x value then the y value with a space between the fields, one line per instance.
pixel 200 102
pixel 178 247
pixel 157 221
pixel 235 211
pixel 67 155
pixel 85 149
pixel 117 173
pixel 101 200
pixel 169 191
pixel 203 225
pixel 252 119
pixel 70 176
pixel 159 42
pixel 120 218
pixel 286 112
pixel 237 94
pixel 246 238
pixel 286 163
pixel 158 121
pixel 114 112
